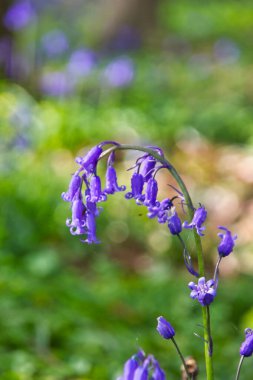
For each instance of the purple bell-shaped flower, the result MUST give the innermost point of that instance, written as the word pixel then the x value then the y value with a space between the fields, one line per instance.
pixel 74 186
pixel 227 242
pixel 111 181
pixel 197 220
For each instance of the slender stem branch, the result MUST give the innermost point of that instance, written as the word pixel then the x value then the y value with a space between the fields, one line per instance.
pixel 216 271
pixel 239 368
pixel 182 358
pixel 198 245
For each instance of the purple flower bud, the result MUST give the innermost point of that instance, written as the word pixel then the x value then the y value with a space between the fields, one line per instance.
pixel 227 242
pixel 141 373
pixel 74 186
pixel 158 373
pixel 137 183
pixel 246 348
pixel 96 194
pixel 164 328
pixel 151 193
pixel 174 224
pixel 204 292
pixel 129 368
pixel 90 160
pixel 111 181
pixel 197 221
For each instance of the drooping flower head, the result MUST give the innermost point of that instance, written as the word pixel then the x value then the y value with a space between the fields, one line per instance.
pixel 227 242
pixel 204 291
pixel 164 328
pixel 246 348
pixel 142 367
pixel 197 220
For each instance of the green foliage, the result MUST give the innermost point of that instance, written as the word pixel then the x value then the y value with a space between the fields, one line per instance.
pixel 70 311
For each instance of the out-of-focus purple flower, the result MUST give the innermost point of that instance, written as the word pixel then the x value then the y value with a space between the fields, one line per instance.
pixel 74 186
pixel 90 160
pixel 246 348
pixel 56 84
pixel 197 221
pixel 151 193
pixel 54 43
pixel 164 328
pixel 226 51
pixel 96 193
pixel 158 373
pixel 129 368
pixel 141 373
pixel 126 39
pixel 227 242
pixel 142 367
pixel 137 183
pixel 19 15
pixel 81 63
pixel 174 224
pixel 111 185
pixel 204 291
pixel 120 72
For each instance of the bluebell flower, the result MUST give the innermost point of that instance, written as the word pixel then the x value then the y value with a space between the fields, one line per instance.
pixel 78 222
pixel 81 63
pixel 56 84
pixel 141 373
pixel 111 181
pixel 90 160
pixel 120 72
pixel 164 328
pixel 161 211
pixel 204 291
pixel 158 373
pixel 174 224
pixel 74 187
pixel 142 367
pixel 19 15
pixel 137 183
pixel 151 193
pixel 197 220
pixel 95 191
pixel 227 242
pixel 147 165
pixel 91 228
pixel 129 368
pixel 246 348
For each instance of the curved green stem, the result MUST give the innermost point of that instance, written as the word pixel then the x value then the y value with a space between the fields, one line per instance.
pixel 239 368
pixel 182 359
pixel 198 245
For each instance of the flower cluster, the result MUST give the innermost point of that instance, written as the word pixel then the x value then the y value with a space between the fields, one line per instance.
pixel 204 292
pixel 84 202
pixel 142 367
pixel 85 192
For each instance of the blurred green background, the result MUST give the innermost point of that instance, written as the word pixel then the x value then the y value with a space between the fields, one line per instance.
pixel 173 74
